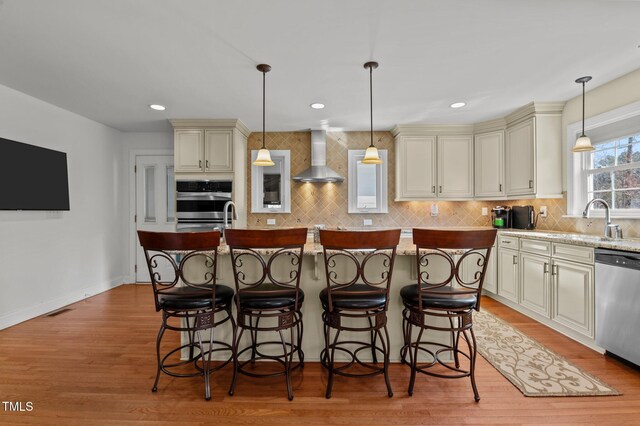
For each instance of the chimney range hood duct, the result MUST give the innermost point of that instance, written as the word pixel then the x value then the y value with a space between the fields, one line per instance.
pixel 318 172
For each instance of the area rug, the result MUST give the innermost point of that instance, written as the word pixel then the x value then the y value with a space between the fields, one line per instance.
pixel 532 368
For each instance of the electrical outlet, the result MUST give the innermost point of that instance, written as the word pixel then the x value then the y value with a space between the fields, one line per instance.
pixel 543 211
pixel 434 210
pixel 485 211
pixel 367 222
pixel 271 221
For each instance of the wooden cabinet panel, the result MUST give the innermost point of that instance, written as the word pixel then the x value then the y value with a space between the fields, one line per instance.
pixel 491 275
pixel 572 294
pixel 534 283
pixel 218 150
pixel 489 164
pixel 455 166
pixel 508 275
pixel 520 156
pixel 188 150
pixel 415 168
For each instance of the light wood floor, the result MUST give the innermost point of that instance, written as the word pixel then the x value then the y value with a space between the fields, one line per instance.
pixel 96 364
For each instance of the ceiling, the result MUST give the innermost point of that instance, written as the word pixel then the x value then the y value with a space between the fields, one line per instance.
pixel 108 60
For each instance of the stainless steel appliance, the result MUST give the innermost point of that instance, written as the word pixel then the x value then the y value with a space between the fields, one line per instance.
pixel 523 217
pixel 617 298
pixel 200 204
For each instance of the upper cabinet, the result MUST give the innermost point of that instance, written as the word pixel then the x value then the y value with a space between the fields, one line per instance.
pixel 415 167
pixel 533 148
pixel 207 146
pixel 489 165
pixel 431 165
pixel 515 157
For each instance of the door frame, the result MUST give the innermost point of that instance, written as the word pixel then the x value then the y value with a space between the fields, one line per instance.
pixel 133 154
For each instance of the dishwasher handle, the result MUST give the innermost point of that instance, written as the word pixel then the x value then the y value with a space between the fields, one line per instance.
pixel 623 259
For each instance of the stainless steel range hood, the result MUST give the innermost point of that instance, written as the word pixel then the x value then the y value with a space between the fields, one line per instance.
pixel 318 172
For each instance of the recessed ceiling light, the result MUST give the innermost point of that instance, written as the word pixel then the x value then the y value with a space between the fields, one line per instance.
pixel 317 105
pixel 157 107
pixel 457 105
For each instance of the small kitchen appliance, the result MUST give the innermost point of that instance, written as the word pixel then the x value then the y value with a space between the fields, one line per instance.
pixel 501 217
pixel 523 217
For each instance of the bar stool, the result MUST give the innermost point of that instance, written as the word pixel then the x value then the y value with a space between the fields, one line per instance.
pixel 186 292
pixel 447 292
pixel 266 268
pixel 358 268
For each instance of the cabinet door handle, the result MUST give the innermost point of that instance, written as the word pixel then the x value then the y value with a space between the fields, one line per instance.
pixel 441 189
pixel 200 163
pixel 433 189
pixel 546 268
pixel 505 242
pixel 515 260
pixel 530 184
pixel 554 269
pixel 500 187
pixel 207 163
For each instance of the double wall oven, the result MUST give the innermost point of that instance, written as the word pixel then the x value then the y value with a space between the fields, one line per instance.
pixel 200 204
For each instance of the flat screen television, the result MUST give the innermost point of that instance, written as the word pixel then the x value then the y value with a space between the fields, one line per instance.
pixel 32 178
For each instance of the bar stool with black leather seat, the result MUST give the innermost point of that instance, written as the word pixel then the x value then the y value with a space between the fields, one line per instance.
pixel 358 268
pixel 447 293
pixel 266 268
pixel 182 267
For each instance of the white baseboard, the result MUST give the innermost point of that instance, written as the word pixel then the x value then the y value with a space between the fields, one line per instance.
pixel 16 317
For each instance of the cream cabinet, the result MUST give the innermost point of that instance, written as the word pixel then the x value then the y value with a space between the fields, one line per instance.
pixel 489 165
pixel 552 282
pixel 572 295
pixel 415 168
pixel 533 151
pixel 534 283
pixel 455 166
pixel 432 166
pixel 521 158
pixel 491 274
pixel 508 274
pixel 203 150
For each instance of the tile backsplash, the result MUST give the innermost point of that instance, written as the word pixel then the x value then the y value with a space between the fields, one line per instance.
pixel 326 203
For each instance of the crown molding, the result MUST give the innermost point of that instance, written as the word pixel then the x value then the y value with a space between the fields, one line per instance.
pixel 490 126
pixel 431 129
pixel 210 123
pixel 535 108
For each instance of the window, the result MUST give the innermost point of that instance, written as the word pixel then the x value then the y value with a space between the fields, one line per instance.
pixel 271 186
pixel 612 171
pixel 367 183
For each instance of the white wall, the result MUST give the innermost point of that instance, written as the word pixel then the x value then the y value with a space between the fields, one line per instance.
pixel 50 259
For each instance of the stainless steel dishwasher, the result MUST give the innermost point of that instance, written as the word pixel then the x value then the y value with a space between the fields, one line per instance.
pixel 618 303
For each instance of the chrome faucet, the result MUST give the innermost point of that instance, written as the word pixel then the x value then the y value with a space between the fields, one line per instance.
pixel 610 230
pixel 226 213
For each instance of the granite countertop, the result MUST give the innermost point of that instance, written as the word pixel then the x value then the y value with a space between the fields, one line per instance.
pixel 586 240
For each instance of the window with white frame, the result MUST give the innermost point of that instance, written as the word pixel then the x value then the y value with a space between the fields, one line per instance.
pixel 613 172
pixel 367 183
pixel 271 186
pixel 610 172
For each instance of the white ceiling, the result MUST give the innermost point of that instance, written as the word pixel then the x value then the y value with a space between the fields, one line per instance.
pixel 109 59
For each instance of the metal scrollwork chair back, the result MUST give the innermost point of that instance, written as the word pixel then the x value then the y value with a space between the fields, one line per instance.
pixel 182 268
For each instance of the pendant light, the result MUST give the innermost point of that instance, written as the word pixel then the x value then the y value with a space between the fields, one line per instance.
pixel 583 143
pixel 264 157
pixel 371 156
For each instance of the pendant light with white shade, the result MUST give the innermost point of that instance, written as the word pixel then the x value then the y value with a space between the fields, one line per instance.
pixel 371 156
pixel 583 143
pixel 264 157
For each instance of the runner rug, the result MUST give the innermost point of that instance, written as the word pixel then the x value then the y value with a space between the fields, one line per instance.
pixel 532 368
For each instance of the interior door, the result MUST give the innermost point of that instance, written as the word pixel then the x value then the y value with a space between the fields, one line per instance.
pixel 155 202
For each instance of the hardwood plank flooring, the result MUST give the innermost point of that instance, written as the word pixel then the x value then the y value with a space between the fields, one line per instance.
pixel 95 364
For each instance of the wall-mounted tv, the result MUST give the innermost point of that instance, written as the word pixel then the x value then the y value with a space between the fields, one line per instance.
pixel 32 178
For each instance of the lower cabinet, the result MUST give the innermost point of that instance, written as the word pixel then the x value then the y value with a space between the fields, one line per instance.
pixel 554 281
pixel 508 274
pixel 573 296
pixel 491 274
pixel 534 283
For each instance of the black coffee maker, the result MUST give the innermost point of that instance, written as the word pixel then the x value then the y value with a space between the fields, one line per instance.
pixel 501 217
